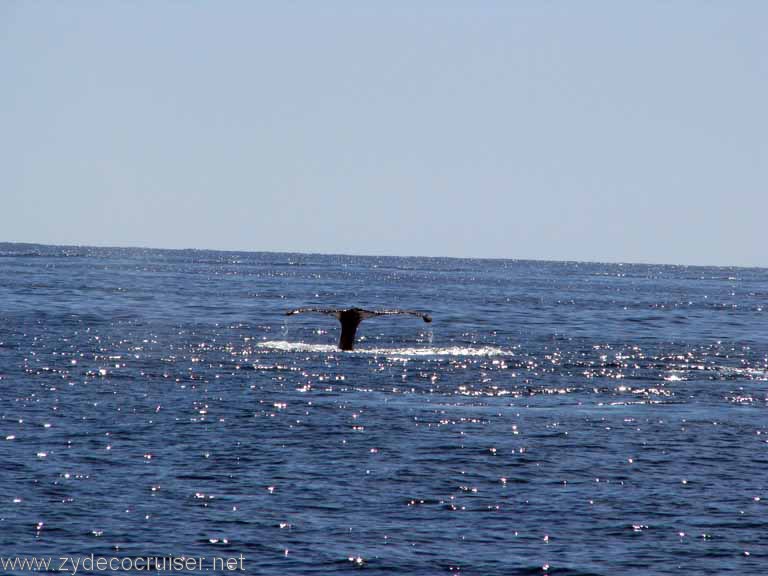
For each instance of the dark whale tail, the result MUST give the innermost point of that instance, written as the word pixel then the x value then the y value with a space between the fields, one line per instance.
pixel 350 318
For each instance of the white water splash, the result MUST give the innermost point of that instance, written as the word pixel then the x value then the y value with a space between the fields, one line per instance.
pixel 286 346
pixel 428 351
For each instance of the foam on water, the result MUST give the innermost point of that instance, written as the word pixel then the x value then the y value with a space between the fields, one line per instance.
pixel 287 346
pixel 468 351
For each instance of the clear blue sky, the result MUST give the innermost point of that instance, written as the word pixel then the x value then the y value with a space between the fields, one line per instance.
pixel 609 131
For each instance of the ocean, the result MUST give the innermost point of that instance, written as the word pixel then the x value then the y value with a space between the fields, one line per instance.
pixel 557 418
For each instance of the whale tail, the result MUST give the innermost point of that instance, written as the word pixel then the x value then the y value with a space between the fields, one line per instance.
pixel 350 318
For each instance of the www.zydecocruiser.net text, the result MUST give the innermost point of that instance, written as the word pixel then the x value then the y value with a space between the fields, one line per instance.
pixel 106 564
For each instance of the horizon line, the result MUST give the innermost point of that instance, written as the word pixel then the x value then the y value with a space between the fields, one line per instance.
pixel 359 255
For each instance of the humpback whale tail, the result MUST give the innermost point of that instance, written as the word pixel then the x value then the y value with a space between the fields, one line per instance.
pixel 350 318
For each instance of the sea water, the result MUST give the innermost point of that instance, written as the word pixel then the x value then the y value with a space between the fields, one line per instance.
pixel 555 418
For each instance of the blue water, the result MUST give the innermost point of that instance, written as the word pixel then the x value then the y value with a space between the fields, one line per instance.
pixel 555 418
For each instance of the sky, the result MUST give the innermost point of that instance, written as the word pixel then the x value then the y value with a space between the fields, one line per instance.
pixel 594 131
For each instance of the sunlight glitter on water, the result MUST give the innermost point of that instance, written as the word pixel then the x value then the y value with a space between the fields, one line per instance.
pixel 579 406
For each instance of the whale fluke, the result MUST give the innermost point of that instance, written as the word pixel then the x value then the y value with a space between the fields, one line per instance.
pixel 350 318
